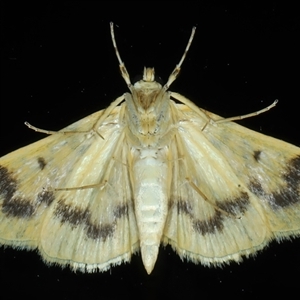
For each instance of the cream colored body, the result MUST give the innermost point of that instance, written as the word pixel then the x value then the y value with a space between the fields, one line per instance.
pixel 147 114
pixel 150 190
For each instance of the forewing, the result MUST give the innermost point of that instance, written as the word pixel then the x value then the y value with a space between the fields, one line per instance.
pixel 233 190
pixel 269 167
pixel 88 227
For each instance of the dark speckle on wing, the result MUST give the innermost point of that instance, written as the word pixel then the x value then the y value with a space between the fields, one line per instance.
pixel 256 188
pixel 46 197
pixel 42 163
pixel 256 155
pixel 121 211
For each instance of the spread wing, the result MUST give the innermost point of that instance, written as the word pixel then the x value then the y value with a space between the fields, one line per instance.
pixel 233 190
pixel 59 195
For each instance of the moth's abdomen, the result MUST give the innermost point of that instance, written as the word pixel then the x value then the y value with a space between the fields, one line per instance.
pixel 151 198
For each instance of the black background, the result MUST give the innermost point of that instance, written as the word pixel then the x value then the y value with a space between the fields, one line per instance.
pixel 58 65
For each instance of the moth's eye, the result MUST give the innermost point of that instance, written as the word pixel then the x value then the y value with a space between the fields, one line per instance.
pixel 159 80
pixel 137 78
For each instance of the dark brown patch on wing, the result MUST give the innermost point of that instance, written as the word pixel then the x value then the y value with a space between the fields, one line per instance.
pixel 121 211
pixel 42 163
pixel 234 207
pixel 256 188
pixel 289 194
pixel 13 207
pixel 185 207
pixel 102 231
pixel 70 214
pixel 292 177
pixel 46 197
pixel 76 216
pixel 256 155
pixel 8 184
pixel 211 225
pixel 283 199
pixel 17 207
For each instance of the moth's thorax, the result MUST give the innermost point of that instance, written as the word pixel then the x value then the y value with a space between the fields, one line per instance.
pixel 146 94
pixel 148 109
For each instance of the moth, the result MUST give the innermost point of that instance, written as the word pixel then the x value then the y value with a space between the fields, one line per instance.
pixel 150 169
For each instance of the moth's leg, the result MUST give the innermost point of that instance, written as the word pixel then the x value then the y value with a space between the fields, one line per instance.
pixel 201 112
pixel 49 132
pixel 39 129
pixel 105 114
pixel 253 114
pixel 89 186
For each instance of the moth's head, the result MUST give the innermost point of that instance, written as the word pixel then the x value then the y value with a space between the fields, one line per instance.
pixel 148 82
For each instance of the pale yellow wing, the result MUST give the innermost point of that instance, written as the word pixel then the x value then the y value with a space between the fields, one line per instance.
pixel 88 228
pixel 233 190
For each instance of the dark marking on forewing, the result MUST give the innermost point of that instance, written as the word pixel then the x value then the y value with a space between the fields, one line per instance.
pixel 256 188
pixel 42 163
pixel 289 194
pixel 46 197
pixel 256 155
pixel 284 198
pixel 15 206
pixel 12 207
pixel 76 216
pixel 8 184
pixel 211 225
pixel 292 177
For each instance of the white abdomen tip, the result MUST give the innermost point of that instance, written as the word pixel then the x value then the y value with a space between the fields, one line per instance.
pixel 149 256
